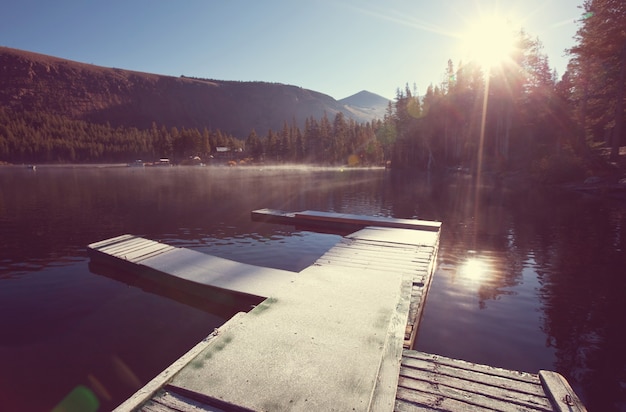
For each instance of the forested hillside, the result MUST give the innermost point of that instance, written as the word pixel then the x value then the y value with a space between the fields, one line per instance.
pixel 35 82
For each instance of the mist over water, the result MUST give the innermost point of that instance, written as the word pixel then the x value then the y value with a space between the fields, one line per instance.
pixel 525 281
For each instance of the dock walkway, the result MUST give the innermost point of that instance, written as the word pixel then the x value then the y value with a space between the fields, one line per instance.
pixel 333 337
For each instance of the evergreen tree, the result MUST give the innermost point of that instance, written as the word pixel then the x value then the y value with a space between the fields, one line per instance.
pixel 254 146
pixel 599 69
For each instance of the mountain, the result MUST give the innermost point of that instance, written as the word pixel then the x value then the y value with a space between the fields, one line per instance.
pixel 40 83
pixel 366 104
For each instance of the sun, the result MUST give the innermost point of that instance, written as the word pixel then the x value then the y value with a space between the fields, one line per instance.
pixel 489 41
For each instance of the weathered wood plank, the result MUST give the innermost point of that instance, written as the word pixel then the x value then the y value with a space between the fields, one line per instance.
pixel 125 245
pixel 129 246
pixel 403 236
pixel 147 251
pixel 166 401
pixel 402 260
pixel 445 400
pixel 331 217
pixel 373 263
pixel 110 241
pixel 518 393
pixel 412 256
pixel 153 253
pixel 360 255
pixel 425 367
pixel 404 406
pixel 560 393
pixel 414 356
pixel 134 249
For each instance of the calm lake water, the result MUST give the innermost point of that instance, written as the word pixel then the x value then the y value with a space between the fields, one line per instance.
pixel 527 281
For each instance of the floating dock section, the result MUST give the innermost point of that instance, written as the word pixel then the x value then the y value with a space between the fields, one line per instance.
pixel 336 336
pixel 187 270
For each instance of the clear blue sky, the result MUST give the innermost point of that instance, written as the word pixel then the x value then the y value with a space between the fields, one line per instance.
pixel 337 47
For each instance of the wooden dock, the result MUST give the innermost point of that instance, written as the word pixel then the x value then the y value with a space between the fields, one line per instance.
pixel 336 336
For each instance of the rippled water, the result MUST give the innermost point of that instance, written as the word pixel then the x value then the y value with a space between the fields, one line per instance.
pixel 525 280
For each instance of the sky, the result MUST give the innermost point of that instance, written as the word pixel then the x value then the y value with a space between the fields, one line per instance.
pixel 336 47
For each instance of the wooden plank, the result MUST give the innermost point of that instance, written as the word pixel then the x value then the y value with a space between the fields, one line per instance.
pixel 410 254
pixel 493 379
pixel 411 356
pixel 391 235
pixel 168 401
pixel 404 406
pixel 134 249
pixel 393 257
pixel 364 252
pixel 440 401
pixel 331 217
pixel 373 262
pixel 523 394
pixel 419 292
pixel 127 246
pixel 110 241
pixel 153 253
pixel 440 383
pixel 560 393
pixel 147 251
pixel 194 397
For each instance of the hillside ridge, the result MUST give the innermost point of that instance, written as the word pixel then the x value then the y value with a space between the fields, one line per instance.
pixel 36 82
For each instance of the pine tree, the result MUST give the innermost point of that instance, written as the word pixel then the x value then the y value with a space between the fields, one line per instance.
pixel 599 68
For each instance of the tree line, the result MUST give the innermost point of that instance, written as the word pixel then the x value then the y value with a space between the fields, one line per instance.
pixel 35 137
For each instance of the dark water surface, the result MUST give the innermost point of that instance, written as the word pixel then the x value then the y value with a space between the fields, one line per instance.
pixel 528 281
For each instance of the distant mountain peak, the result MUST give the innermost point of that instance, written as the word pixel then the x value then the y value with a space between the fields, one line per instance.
pixel 366 104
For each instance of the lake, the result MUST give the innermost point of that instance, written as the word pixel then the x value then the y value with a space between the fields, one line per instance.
pixel 526 279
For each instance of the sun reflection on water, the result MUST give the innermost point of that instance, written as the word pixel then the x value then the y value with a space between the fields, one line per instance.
pixel 475 269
